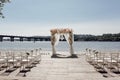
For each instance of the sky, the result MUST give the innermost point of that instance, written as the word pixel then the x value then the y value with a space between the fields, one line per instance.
pixel 37 17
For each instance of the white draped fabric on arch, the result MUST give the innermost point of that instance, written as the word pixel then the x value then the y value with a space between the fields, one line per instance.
pixel 57 34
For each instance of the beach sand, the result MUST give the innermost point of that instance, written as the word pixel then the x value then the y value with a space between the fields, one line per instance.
pixel 60 69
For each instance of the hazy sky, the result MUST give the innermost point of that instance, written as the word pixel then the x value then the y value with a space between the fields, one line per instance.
pixel 37 17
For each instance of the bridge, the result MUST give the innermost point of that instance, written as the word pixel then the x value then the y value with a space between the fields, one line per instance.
pixel 23 38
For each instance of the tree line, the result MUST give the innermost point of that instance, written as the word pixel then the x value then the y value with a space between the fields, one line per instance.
pixel 104 37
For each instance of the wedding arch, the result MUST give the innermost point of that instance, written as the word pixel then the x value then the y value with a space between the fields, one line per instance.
pixel 57 34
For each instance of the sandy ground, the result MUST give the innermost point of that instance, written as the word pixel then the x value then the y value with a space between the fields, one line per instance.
pixel 60 69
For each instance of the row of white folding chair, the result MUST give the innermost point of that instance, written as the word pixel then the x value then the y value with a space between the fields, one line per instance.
pixel 28 58
pixel 10 59
pixel 109 59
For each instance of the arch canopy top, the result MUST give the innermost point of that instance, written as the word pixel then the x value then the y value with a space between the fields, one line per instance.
pixel 60 31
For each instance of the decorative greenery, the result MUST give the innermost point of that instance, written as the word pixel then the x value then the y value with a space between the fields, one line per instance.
pixel 2 2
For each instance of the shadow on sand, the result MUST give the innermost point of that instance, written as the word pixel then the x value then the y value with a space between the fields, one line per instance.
pixel 64 56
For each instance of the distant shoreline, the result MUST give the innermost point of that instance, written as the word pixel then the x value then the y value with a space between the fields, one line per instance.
pixel 77 37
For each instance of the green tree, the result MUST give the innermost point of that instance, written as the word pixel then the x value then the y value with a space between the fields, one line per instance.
pixel 2 2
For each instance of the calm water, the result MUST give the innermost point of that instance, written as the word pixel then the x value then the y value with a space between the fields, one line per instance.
pixel 62 46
